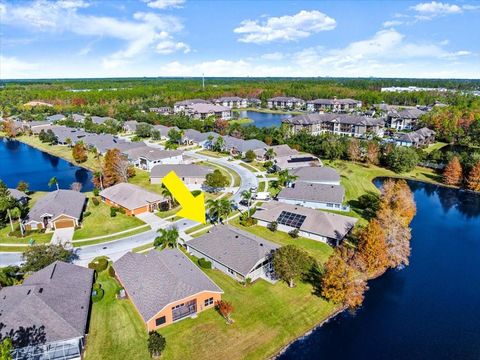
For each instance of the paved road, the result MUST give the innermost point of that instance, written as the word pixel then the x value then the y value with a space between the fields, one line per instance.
pixel 117 248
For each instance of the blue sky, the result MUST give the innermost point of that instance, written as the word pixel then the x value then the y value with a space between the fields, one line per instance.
pixel 80 38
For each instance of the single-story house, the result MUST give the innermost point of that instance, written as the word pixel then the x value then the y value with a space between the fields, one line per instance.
pixel 56 117
pixel 296 161
pixel 18 195
pixel 52 306
pixel 192 175
pixel 195 137
pixel 165 286
pixel 317 175
pixel 312 224
pixel 237 253
pixel 78 118
pixel 146 157
pixel 315 196
pixel 104 142
pixel 132 198
pixel 278 152
pixel 55 210
pixel 99 120
pixel 239 146
pixel 164 130
pixel 130 126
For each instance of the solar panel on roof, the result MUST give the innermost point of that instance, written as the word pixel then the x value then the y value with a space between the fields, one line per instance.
pixel 290 219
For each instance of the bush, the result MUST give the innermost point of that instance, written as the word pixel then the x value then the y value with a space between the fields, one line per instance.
pixel 95 201
pixel 98 265
pixel 97 293
pixel 96 192
pixel 156 344
pixel 121 210
pixel 204 263
pixel 86 213
pixel 196 192
pixel 294 233
pixel 113 212
pixel 272 226
pixel 111 271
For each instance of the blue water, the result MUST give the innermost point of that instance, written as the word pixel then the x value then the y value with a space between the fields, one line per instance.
pixel 263 119
pixel 19 161
pixel 430 309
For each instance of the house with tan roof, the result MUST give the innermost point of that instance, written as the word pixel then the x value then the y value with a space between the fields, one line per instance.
pixel 192 175
pixel 132 198
pixel 312 224
pixel 172 287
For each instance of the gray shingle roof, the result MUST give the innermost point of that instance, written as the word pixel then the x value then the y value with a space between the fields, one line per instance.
pixel 182 170
pixel 317 222
pixel 232 247
pixel 151 154
pixel 302 191
pixel 242 145
pixel 58 202
pixel 191 101
pixel 130 196
pixel 316 174
pixel 197 136
pixel 280 151
pixel 17 194
pixel 286 99
pixel 310 119
pixel 334 101
pixel 56 298
pixel 55 117
pixel 166 276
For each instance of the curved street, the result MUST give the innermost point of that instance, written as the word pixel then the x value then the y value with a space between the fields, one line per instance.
pixel 116 248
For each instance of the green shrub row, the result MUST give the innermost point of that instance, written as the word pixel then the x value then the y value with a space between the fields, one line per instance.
pixel 204 263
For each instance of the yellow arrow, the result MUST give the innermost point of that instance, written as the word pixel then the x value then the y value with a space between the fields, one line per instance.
pixel 193 207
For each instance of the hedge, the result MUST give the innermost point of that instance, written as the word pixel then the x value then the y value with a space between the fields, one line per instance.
pixel 204 263
pixel 113 212
pixel 98 265
pixel 111 271
pixel 97 293
pixel 95 201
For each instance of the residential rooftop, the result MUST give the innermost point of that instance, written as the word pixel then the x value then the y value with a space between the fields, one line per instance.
pixel 302 191
pixel 181 170
pixel 58 202
pixel 130 196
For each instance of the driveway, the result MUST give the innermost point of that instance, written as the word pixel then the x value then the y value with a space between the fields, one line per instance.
pixel 153 220
pixel 62 236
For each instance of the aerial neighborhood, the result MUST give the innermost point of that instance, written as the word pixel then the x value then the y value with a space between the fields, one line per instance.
pixel 276 199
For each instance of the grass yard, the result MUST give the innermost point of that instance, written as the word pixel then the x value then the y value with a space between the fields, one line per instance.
pixel 116 329
pixel 142 179
pixel 39 238
pixel 242 121
pixel 358 178
pixel 212 153
pixel 226 172
pixel 99 222
pixel 267 317
pixel 317 249
pixel 436 146
pixel 12 248
pixel 79 243
pixel 63 152
pixel 261 186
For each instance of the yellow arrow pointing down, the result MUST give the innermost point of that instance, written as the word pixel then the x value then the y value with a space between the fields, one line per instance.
pixel 193 207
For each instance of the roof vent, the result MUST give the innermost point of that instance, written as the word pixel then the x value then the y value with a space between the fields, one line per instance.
pixel 28 292
pixel 236 236
pixel 261 244
pixel 40 290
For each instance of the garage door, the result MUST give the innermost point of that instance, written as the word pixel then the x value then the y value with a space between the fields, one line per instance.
pixel 60 224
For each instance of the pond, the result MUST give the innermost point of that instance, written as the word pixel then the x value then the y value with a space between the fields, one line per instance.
pixel 428 310
pixel 19 161
pixel 261 119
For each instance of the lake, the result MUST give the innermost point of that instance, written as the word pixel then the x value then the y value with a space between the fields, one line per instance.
pixel 430 309
pixel 19 161
pixel 261 119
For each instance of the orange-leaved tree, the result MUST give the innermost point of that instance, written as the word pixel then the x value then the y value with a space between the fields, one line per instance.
pixel 473 180
pixel 452 174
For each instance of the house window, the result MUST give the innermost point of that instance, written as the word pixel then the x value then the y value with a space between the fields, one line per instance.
pixel 231 271
pixel 209 301
pixel 329 205
pixel 160 321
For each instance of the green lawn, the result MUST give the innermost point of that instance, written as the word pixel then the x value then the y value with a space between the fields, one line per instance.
pixel 436 146
pixel 12 248
pixel 261 186
pixel 249 167
pixel 241 121
pixel 99 222
pixel 111 238
pixel 317 249
pixel 212 153
pixel 267 317
pixel 142 179
pixel 226 172
pixel 116 329
pixel 358 178
pixel 39 238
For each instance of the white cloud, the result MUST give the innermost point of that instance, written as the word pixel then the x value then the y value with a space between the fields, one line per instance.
pixel 276 56
pixel 437 8
pixel 164 4
pixel 168 47
pixel 12 68
pixel 145 31
pixel 392 23
pixel 284 28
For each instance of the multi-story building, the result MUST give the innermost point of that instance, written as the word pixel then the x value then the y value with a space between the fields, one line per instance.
pixel 181 106
pixel 231 102
pixel 203 111
pixel 284 102
pixel 334 105
pixel 340 124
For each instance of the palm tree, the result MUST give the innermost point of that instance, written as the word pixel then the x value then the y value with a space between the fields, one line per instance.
pixel 285 177
pixel 214 208
pixel 226 207
pixel 167 238
pixel 166 193
pixel 13 213
pixel 247 196
pixel 270 154
pixel 53 181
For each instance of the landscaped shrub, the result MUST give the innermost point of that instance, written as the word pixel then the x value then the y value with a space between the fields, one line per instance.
pixel 93 265
pixel 196 192
pixel 113 212
pixel 95 201
pixel 294 233
pixel 111 271
pixel 272 226
pixel 96 192
pixel 102 264
pixel 86 213
pixel 121 210
pixel 204 263
pixel 97 293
